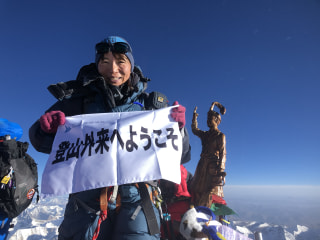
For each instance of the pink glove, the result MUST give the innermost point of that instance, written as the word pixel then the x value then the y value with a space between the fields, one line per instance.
pixel 178 114
pixel 50 121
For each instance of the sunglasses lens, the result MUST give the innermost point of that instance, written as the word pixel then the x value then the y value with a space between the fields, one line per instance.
pixel 121 47
pixel 118 47
pixel 102 47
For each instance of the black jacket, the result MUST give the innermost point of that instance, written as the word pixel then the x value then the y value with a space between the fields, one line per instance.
pixel 90 94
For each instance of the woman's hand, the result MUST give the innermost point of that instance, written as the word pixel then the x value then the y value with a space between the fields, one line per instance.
pixel 178 114
pixel 50 121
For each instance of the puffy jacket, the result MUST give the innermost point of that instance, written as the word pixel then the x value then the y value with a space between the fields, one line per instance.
pixel 90 94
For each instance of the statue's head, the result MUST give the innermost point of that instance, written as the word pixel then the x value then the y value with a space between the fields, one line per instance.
pixel 213 117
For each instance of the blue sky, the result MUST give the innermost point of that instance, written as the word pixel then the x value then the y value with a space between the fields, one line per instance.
pixel 260 59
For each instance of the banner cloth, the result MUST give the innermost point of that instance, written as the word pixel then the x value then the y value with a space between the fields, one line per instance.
pixel 106 149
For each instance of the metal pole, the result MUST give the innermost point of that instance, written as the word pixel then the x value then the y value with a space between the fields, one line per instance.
pixel 258 236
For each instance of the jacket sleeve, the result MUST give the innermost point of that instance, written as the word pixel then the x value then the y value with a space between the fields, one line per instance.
pixel 40 140
pixel 186 148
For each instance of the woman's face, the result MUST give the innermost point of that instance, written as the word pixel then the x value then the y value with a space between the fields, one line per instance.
pixel 115 68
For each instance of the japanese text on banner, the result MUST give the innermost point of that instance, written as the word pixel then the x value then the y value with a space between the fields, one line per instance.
pixel 98 150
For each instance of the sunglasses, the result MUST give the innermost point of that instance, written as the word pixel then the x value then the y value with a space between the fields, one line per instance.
pixel 117 47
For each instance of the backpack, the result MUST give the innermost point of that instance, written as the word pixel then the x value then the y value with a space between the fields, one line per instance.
pixel 19 177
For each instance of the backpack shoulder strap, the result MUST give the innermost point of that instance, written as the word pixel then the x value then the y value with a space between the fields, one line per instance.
pixel 148 209
pixel 64 90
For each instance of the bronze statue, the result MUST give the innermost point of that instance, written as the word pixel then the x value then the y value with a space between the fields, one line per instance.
pixel 209 176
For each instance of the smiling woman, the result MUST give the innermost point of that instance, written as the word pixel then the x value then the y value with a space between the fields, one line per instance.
pixel 111 84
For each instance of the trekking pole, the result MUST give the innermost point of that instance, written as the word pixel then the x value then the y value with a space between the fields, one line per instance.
pixel 258 236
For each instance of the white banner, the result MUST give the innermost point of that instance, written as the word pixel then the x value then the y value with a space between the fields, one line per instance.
pixel 106 149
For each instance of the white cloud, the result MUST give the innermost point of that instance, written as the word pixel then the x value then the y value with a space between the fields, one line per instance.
pixel 258 207
pixel 284 205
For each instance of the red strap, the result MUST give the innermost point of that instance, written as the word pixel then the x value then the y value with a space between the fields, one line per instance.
pixel 103 216
pixel 103 210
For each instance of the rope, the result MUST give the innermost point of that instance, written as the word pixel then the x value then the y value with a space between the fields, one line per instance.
pixel 102 217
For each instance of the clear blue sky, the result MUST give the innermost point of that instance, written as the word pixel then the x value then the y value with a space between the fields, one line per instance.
pixel 261 59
